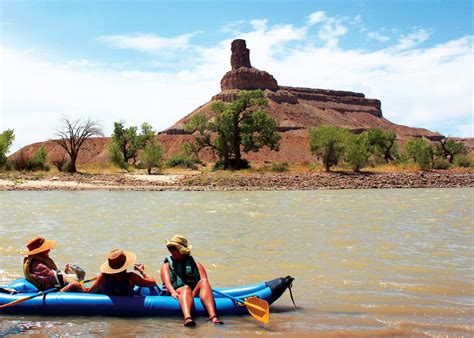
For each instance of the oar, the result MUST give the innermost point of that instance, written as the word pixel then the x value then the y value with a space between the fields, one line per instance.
pixel 21 300
pixel 258 308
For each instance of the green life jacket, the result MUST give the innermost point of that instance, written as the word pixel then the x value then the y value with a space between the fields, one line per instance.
pixel 41 285
pixel 183 273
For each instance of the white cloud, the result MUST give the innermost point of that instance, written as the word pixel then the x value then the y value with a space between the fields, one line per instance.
pixel 316 17
pixel 149 43
pixel 413 39
pixel 378 37
pixel 233 27
pixel 419 87
pixel 259 25
pixel 331 31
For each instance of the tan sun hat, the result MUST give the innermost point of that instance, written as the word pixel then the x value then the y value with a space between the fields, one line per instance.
pixel 181 243
pixel 39 244
pixel 118 261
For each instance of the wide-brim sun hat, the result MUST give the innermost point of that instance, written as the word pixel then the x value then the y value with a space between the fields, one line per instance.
pixel 181 243
pixel 118 261
pixel 39 244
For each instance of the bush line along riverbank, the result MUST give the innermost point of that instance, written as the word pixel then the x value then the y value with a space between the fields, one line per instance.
pixel 224 181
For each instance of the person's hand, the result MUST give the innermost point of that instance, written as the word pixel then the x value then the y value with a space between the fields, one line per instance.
pixel 140 267
pixel 175 295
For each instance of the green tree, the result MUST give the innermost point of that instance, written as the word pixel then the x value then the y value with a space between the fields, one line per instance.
pixel 449 148
pixel 6 140
pixel 383 143
pixel 358 151
pixel 72 135
pixel 239 126
pixel 152 156
pixel 421 151
pixel 329 142
pixel 126 142
pixel 38 162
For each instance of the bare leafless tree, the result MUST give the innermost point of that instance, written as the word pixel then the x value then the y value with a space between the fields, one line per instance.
pixel 73 133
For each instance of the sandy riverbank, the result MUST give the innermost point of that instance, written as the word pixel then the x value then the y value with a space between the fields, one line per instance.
pixel 241 181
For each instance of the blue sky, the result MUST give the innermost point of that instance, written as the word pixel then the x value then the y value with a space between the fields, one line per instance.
pixel 156 61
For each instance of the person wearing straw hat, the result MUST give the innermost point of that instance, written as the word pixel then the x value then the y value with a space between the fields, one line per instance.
pixel 40 270
pixel 184 279
pixel 115 280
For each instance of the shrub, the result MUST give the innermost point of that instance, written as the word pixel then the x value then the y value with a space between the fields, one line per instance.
pixel 116 156
pixel 280 166
pixel 357 151
pixel 462 160
pixel 59 163
pixel 21 160
pixel 440 163
pixel 6 140
pixel 328 142
pixel 38 162
pixel 10 165
pixel 152 156
pixel 421 151
pixel 182 161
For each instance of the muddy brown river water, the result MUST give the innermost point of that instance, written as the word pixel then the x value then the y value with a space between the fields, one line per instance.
pixel 365 262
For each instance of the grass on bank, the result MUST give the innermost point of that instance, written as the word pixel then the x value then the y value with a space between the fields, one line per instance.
pixel 204 168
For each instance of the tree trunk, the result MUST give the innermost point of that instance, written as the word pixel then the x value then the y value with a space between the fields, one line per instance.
pixel 72 166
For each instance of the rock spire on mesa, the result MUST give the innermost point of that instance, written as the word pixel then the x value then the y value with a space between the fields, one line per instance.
pixel 243 76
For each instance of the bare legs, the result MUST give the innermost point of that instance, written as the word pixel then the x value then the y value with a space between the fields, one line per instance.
pixel 207 298
pixel 186 303
pixel 186 298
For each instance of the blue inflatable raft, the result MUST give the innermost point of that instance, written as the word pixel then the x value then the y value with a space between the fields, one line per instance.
pixel 146 302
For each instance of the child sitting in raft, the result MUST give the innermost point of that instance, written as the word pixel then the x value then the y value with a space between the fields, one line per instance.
pixel 183 279
pixel 40 270
pixel 115 280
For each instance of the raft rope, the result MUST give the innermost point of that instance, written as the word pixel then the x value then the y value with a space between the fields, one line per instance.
pixel 291 294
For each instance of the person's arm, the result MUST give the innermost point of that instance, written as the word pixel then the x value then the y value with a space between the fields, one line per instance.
pixel 95 288
pixel 144 280
pixel 166 278
pixel 202 271
pixel 43 273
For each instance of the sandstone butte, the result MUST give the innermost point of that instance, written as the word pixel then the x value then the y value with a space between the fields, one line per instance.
pixel 295 110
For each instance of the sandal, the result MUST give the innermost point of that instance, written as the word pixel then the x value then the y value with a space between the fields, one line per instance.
pixel 216 320
pixel 189 322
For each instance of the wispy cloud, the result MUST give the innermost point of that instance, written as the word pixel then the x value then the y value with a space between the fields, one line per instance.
pixel 316 17
pixel 233 27
pixel 331 31
pixel 413 39
pixel 378 37
pixel 149 43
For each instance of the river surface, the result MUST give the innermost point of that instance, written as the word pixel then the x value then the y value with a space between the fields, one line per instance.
pixel 365 262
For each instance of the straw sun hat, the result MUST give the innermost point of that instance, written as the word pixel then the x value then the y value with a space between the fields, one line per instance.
pixel 118 261
pixel 39 244
pixel 181 243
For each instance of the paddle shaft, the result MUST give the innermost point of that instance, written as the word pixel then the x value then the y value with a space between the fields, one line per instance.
pixel 239 300
pixel 21 300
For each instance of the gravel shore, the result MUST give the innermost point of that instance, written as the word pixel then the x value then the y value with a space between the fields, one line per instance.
pixel 243 181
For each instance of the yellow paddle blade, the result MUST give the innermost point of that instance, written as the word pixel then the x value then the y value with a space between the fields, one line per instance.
pixel 259 309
